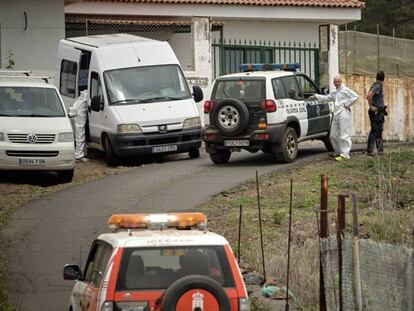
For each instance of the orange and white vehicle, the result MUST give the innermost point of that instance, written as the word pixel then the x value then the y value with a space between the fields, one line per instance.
pixel 158 262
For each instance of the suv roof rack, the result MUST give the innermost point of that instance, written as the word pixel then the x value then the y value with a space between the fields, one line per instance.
pixel 21 74
pixel 268 67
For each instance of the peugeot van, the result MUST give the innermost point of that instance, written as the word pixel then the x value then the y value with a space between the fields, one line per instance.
pixel 140 103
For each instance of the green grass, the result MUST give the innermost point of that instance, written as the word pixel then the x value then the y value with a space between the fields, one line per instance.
pixel 385 200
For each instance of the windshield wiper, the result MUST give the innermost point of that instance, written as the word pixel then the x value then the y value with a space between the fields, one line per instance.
pixel 123 101
pixel 37 115
pixel 162 97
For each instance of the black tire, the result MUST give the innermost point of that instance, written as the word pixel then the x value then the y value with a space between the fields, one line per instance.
pixel 66 176
pixel 230 116
pixel 181 286
pixel 194 153
pixel 110 156
pixel 221 156
pixel 328 144
pixel 289 147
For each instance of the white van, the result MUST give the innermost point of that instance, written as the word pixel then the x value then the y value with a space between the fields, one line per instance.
pixel 35 130
pixel 140 102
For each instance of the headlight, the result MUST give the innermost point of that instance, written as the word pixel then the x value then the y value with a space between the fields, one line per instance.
pixel 244 304
pixel 107 306
pixel 65 137
pixel 1 136
pixel 192 122
pixel 129 128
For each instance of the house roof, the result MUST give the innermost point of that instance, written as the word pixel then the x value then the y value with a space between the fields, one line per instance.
pixel 297 3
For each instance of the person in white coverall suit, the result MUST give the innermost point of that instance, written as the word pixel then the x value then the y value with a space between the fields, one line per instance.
pixel 81 104
pixel 341 127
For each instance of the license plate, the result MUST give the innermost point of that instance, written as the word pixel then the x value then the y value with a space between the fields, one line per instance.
pixel 168 148
pixel 32 162
pixel 236 143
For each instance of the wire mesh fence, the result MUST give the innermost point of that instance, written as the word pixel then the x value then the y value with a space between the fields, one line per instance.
pixel 365 54
pixel 386 275
pixel 178 33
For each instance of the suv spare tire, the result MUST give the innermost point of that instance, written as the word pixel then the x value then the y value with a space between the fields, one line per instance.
pixel 187 283
pixel 230 116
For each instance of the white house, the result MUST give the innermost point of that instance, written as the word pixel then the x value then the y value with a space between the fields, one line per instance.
pixel 29 34
pixel 223 33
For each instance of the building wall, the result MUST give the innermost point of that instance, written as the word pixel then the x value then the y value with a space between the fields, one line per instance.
pixel 36 47
pixel 398 96
pixel 270 30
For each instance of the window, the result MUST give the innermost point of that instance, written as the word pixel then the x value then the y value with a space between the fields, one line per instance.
pixel 97 262
pixel 248 89
pixel 307 86
pixel 158 268
pixel 96 88
pixel 68 78
pixel 278 89
pixel 30 102
pixel 291 88
pixel 146 84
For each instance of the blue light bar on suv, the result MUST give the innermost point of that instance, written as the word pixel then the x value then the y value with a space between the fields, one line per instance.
pixel 268 67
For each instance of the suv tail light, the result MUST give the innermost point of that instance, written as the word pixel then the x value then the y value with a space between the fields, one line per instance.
pixel 268 105
pixel 208 106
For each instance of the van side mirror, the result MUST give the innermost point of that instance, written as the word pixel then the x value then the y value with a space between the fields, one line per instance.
pixel 97 103
pixel 197 93
pixel 73 112
pixel 72 272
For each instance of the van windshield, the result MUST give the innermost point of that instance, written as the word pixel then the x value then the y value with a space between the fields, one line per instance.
pixel 30 102
pixel 158 268
pixel 146 84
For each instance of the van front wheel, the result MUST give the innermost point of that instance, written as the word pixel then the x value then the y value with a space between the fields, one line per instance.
pixel 65 176
pixel 111 159
pixel 194 153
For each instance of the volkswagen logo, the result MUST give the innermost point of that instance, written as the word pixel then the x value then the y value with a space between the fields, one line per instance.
pixel 162 129
pixel 31 138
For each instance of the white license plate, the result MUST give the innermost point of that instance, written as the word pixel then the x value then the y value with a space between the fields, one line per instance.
pixel 168 148
pixel 236 143
pixel 32 162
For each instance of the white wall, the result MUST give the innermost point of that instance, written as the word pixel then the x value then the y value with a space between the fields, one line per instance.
pixel 36 47
pixel 270 30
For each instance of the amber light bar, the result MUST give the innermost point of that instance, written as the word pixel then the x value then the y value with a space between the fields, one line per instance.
pixel 171 220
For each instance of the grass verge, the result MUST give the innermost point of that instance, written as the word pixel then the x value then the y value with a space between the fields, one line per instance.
pixel 385 199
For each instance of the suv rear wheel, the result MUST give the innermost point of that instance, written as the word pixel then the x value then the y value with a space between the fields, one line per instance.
pixel 230 116
pixel 289 147
pixel 328 144
pixel 221 156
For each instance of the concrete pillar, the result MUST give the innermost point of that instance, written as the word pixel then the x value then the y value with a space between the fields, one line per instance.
pixel 333 54
pixel 202 73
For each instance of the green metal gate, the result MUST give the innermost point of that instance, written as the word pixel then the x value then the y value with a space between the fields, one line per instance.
pixel 228 55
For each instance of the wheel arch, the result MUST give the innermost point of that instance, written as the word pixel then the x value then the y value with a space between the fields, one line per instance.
pixel 293 122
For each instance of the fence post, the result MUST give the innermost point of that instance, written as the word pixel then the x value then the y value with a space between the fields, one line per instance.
pixel 323 233
pixel 340 227
pixel 355 255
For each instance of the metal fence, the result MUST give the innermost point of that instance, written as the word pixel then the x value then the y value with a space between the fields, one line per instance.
pixel 365 54
pixel 177 33
pixel 229 54
pixel 386 275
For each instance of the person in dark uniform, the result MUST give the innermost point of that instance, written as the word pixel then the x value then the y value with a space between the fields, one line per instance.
pixel 377 112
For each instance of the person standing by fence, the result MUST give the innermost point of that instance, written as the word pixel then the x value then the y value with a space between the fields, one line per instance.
pixel 377 112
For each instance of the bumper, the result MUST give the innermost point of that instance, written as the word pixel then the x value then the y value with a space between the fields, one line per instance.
pixel 53 157
pixel 142 144
pixel 274 136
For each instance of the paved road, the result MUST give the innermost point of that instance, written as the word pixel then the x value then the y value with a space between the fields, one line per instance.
pixel 58 229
